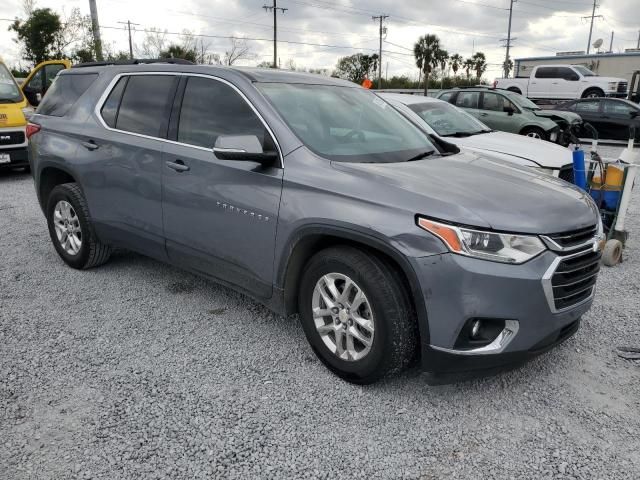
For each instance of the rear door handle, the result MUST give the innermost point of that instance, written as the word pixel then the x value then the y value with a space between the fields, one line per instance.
pixel 178 166
pixel 484 114
pixel 90 145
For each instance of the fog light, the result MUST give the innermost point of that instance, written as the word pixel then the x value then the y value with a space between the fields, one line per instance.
pixel 475 329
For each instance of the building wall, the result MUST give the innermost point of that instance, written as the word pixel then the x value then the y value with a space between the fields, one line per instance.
pixel 616 65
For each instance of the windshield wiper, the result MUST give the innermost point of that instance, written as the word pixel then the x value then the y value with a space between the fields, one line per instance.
pixel 459 134
pixel 420 156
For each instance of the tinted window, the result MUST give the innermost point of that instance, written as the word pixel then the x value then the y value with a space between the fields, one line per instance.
pixel 110 108
pixel 211 108
pixel 64 92
pixel 619 108
pixel 546 72
pixel 446 96
pixel 50 72
pixel 566 73
pixel 447 120
pixel 495 102
pixel 467 99
pixel 144 106
pixel 588 106
pixel 568 106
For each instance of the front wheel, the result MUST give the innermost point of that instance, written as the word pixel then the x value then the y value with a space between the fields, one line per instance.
pixel 534 132
pixel 357 315
pixel 71 230
pixel 593 93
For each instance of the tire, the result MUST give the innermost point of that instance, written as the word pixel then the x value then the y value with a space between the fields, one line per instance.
pixel 394 341
pixel 91 251
pixel 592 93
pixel 534 132
pixel 612 254
pixel 515 90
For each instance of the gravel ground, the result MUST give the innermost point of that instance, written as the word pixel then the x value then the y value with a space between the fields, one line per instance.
pixel 139 370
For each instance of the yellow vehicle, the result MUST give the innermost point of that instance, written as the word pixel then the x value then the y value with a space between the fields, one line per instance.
pixel 16 106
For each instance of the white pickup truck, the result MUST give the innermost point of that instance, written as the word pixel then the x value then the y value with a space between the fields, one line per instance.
pixel 564 82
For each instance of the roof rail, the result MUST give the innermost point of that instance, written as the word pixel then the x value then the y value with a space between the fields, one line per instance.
pixel 135 61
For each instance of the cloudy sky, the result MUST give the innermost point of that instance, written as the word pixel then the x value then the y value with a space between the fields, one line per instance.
pixel 320 31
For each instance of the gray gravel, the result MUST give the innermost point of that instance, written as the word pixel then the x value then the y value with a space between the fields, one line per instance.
pixel 139 370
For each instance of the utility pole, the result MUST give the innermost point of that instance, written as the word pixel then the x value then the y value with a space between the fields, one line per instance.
pixel 508 45
pixel 611 43
pixel 638 46
pixel 128 24
pixel 274 8
pixel 381 18
pixel 95 27
pixel 593 16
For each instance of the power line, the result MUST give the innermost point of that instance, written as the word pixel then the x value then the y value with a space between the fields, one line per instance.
pixel 274 8
pixel 128 24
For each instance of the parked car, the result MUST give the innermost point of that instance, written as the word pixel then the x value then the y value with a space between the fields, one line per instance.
pixel 313 195
pixel 611 117
pixel 510 112
pixel 14 111
pixel 458 127
pixel 564 82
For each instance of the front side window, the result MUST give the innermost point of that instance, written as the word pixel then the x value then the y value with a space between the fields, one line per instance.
pixel 619 108
pixel 211 108
pixel 144 108
pixel 467 99
pixel 584 71
pixel 347 124
pixel 589 106
pixel 495 102
pixel 64 93
pixel 9 91
pixel 446 96
pixel 448 120
pixel 567 74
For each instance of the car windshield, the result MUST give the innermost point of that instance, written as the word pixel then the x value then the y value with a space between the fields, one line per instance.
pixel 522 101
pixel 9 91
pixel 347 124
pixel 447 120
pixel 584 71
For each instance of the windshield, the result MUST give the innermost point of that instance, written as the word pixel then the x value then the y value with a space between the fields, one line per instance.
pixel 522 101
pixel 584 71
pixel 9 91
pixel 347 124
pixel 448 120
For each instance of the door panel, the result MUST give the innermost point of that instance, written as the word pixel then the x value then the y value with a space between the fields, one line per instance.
pixel 492 112
pixel 469 102
pixel 220 216
pixel 617 119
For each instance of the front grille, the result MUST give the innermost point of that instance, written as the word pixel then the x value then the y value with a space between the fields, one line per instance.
pixel 574 279
pixel 566 173
pixel 11 138
pixel 622 87
pixel 574 238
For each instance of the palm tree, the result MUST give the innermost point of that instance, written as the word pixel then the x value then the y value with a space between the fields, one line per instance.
pixel 426 50
pixel 443 58
pixel 468 65
pixel 455 61
pixel 479 64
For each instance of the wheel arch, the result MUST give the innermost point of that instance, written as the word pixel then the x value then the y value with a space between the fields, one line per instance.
pixel 48 178
pixel 311 239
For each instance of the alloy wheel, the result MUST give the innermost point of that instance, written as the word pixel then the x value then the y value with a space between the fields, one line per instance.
pixel 67 227
pixel 343 317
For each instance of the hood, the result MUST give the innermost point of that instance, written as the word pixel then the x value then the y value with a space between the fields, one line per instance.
pixel 469 189
pixel 609 79
pixel 556 115
pixel 527 151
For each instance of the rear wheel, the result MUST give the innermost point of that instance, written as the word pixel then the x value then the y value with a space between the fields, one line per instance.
pixel 612 254
pixel 593 93
pixel 534 132
pixel 357 315
pixel 515 90
pixel 71 230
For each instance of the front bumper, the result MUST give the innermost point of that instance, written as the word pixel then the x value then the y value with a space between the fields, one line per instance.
pixel 616 94
pixel 457 289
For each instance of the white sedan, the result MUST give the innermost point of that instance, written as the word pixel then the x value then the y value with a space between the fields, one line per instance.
pixel 455 126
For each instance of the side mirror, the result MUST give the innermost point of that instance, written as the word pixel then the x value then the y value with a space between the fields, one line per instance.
pixel 245 148
pixel 634 113
pixel 509 110
pixel 574 78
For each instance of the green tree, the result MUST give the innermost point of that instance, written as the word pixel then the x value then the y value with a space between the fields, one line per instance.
pixel 178 51
pixel 468 65
pixel 356 68
pixel 428 56
pixel 456 62
pixel 479 64
pixel 39 35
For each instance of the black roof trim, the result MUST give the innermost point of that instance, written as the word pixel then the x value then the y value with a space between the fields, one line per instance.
pixel 136 61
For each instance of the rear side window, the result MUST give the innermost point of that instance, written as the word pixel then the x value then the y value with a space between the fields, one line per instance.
pixel 64 93
pixel 547 72
pixel 467 99
pixel 589 106
pixel 145 104
pixel 211 108
pixel 110 107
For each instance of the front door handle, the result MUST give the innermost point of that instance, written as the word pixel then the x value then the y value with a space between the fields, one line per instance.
pixel 178 166
pixel 90 145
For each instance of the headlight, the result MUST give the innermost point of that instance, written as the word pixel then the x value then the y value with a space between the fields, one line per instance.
pixel 497 247
pixel 613 85
pixel 553 136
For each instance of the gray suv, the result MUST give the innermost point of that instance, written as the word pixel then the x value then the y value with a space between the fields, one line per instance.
pixel 314 196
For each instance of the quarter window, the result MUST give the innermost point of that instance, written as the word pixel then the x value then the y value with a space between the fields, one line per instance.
pixel 467 99
pixel 110 108
pixel 64 93
pixel 211 108
pixel 145 104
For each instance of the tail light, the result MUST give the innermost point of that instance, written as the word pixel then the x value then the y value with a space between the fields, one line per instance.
pixel 32 129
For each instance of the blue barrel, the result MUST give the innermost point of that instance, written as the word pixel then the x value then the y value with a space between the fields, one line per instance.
pixel 579 172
